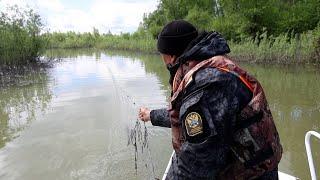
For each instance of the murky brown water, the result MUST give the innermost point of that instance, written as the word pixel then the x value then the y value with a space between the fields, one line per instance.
pixel 73 121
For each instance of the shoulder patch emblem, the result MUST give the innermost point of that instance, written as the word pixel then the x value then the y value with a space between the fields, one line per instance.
pixel 193 123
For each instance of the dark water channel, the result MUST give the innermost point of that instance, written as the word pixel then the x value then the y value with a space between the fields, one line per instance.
pixel 73 121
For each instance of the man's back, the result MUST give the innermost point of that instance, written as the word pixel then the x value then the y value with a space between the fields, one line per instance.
pixel 204 155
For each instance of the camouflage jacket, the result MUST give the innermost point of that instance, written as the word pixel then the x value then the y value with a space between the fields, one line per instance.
pixel 209 155
pixel 218 104
pixel 207 115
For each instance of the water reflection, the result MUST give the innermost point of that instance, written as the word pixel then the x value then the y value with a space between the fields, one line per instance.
pixel 20 104
pixel 84 134
pixel 292 92
pixel 151 63
pixel 71 53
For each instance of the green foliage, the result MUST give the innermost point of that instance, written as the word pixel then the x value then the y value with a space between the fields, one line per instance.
pixel 201 19
pixel 154 22
pixel 316 44
pixel 127 42
pixel 285 31
pixel 138 41
pixel 299 16
pixel 284 49
pixel 270 30
pixel 254 15
pixel 238 18
pixel 20 41
pixel 200 12
pixel 71 39
pixel 231 27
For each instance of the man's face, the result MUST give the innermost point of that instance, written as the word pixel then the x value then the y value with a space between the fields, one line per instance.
pixel 168 59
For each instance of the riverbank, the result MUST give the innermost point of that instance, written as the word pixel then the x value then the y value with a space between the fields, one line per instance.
pixel 288 33
pixel 284 49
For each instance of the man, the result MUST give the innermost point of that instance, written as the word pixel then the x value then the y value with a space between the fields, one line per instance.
pixel 222 127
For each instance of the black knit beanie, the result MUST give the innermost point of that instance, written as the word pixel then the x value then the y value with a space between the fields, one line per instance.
pixel 175 37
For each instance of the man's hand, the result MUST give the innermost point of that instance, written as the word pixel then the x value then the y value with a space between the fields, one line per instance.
pixel 144 114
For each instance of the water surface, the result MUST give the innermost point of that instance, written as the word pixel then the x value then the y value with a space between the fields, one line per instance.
pixel 73 121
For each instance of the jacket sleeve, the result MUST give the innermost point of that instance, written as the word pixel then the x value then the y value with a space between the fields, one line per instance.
pixel 160 117
pixel 218 99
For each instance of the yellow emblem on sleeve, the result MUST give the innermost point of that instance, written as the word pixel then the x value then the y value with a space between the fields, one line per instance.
pixel 193 123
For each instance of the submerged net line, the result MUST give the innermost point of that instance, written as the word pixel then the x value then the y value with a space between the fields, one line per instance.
pixel 137 135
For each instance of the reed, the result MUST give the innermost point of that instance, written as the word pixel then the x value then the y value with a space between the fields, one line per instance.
pixel 20 41
pixel 104 41
pixel 143 44
pixel 286 48
pixel 283 49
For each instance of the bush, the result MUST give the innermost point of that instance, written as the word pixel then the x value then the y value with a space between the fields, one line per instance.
pixel 316 44
pixel 201 19
pixel 285 48
pixel 231 27
pixel 20 41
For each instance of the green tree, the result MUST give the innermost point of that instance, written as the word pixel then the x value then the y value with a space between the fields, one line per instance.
pixel 238 19
pixel 201 19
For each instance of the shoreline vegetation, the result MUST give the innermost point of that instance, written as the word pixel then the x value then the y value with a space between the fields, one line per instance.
pixel 283 49
pixel 284 32
pixel 20 39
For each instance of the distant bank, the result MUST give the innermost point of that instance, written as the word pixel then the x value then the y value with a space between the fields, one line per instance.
pixel 283 49
pixel 256 33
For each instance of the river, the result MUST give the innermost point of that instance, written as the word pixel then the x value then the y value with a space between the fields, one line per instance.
pixel 72 121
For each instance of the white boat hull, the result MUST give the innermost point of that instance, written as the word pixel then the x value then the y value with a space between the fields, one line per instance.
pixel 282 176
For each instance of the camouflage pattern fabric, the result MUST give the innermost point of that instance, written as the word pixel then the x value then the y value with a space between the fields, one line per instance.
pixel 255 142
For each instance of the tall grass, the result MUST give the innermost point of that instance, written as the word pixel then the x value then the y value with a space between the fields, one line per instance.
pixel 103 41
pixel 69 40
pixel 122 42
pixel 20 41
pixel 285 48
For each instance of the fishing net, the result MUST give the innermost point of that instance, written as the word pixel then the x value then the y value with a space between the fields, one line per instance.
pixel 137 132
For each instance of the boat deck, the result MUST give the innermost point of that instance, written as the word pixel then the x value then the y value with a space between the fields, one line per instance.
pixel 284 176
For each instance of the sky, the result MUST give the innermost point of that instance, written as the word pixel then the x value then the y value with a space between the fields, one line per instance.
pixel 82 15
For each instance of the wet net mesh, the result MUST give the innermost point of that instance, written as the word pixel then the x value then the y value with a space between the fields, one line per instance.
pixel 137 132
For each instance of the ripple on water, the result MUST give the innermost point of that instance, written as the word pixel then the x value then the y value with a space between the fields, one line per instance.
pixel 104 166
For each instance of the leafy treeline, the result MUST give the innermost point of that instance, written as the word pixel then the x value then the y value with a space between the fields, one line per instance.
pixel 286 31
pixel 238 19
pixel 281 31
pixel 20 40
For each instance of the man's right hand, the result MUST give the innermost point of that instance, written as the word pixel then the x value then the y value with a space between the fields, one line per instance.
pixel 144 114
